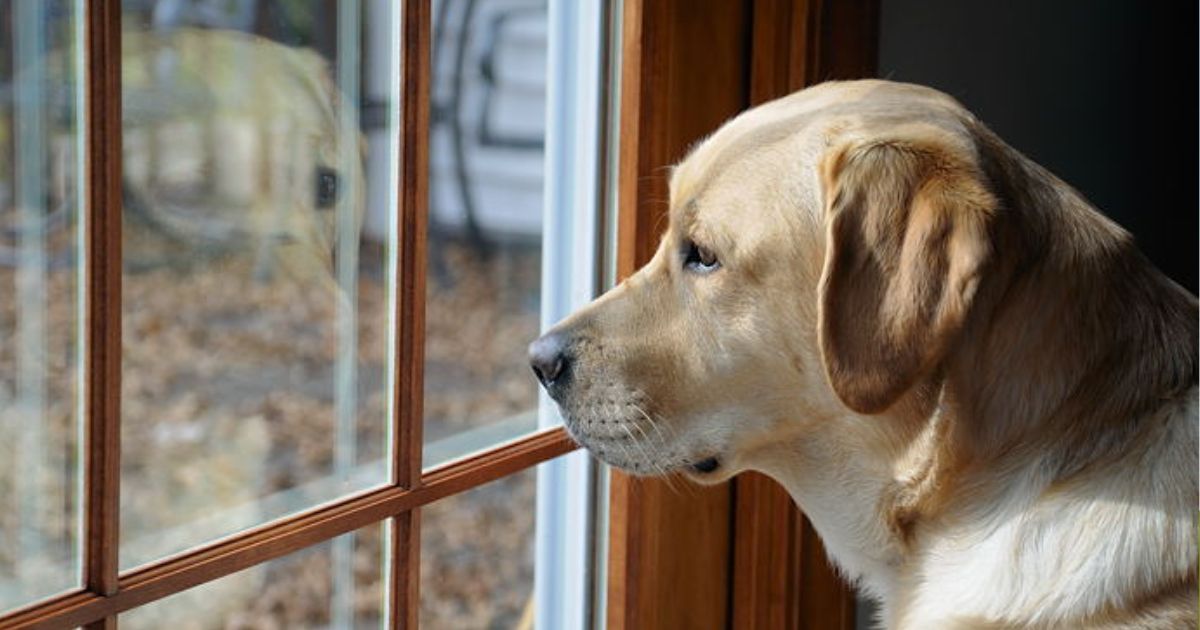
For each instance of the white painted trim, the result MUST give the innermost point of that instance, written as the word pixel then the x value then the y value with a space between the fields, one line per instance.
pixel 573 182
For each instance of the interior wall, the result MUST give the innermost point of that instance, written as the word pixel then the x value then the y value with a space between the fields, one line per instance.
pixel 1103 93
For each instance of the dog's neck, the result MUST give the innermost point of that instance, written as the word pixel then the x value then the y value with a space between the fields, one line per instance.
pixel 1073 345
pixel 1075 341
pixel 1077 337
pixel 841 475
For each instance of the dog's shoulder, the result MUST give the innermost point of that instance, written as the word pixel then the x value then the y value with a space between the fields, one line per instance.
pixel 1105 548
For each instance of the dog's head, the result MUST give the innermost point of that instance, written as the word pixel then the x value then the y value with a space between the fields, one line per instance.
pixel 821 255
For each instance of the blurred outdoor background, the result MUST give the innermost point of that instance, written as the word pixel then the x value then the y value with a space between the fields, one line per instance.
pixel 260 142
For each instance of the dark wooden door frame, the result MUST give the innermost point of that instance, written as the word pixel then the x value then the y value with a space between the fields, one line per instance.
pixel 683 73
pixel 737 555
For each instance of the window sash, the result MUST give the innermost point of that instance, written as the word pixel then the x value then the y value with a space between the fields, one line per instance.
pixel 106 590
pixel 280 538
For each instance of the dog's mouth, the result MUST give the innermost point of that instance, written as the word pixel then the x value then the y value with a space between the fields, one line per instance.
pixel 643 459
pixel 637 444
pixel 707 470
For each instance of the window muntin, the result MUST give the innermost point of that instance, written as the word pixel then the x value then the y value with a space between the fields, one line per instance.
pixel 40 302
pixel 256 311
pixel 336 584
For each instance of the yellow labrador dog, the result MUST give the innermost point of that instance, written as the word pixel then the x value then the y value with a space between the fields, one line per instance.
pixel 976 387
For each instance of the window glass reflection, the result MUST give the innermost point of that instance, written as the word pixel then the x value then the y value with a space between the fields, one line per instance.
pixel 259 143
pixel 41 188
pixel 485 227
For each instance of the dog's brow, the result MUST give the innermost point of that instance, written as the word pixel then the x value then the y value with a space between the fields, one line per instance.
pixel 686 214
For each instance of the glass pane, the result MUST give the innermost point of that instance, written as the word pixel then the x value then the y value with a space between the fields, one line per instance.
pixel 259 147
pixel 477 552
pixel 41 189
pixel 338 584
pixel 485 224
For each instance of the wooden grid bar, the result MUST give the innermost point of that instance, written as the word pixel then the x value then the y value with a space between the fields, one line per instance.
pixel 412 215
pixel 404 583
pixel 253 547
pixel 403 597
pixel 102 273
pixel 103 297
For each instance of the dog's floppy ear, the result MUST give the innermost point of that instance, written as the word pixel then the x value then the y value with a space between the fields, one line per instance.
pixel 907 242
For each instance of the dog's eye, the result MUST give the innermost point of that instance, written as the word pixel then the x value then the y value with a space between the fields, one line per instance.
pixel 327 187
pixel 700 259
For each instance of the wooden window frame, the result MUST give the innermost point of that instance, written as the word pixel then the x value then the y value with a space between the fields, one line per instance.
pixel 106 591
pixel 737 555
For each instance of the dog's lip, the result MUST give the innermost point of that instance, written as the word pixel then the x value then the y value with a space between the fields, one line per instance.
pixel 701 466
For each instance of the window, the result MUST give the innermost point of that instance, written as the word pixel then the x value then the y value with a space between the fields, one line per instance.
pixel 267 268
pixel 40 336
pixel 273 265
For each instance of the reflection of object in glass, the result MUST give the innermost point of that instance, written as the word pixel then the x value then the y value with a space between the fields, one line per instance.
pixel 255 376
pixel 40 144
pixel 490 73
pixel 487 178
pixel 235 14
pixel 494 73
pixel 232 145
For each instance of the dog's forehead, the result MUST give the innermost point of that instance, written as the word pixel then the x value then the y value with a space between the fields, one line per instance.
pixel 819 114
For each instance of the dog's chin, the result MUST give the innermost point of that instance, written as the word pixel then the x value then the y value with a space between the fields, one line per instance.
pixel 622 454
pixel 650 460
pixel 702 472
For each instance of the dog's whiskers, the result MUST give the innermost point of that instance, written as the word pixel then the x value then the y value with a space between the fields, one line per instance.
pixel 642 448
pixel 662 439
pixel 669 477
pixel 633 454
pixel 662 443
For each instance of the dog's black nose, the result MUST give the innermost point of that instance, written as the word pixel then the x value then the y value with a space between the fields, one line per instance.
pixel 547 356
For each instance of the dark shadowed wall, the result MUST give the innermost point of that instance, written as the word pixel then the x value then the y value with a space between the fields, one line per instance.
pixel 1101 92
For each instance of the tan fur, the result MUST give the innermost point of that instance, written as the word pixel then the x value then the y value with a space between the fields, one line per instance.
pixel 976 387
pixel 907 245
